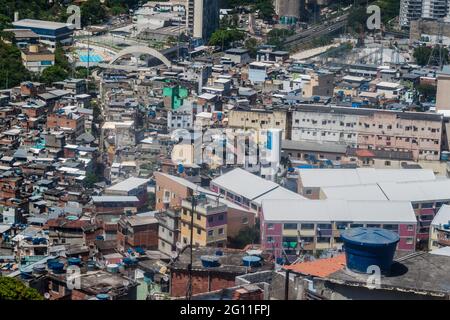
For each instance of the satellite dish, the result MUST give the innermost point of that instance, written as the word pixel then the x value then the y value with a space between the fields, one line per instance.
pixel 165 278
pixel 179 245
pixel 174 254
pixel 47 295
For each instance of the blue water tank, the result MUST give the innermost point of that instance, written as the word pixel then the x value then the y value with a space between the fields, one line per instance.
pixel 99 238
pixel 57 267
pixel 102 296
pixel 129 261
pixel 210 261
pixel 74 261
pixel 219 253
pixel 445 156
pixel 251 261
pixel 365 247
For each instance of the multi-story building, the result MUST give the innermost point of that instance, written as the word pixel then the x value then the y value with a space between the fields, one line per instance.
pixel 130 187
pixel 289 226
pixel 426 198
pixel 169 230
pixel 202 18
pixel 260 119
pixel 171 190
pixel 248 190
pixel 137 231
pixel 71 122
pixel 49 32
pixel 411 10
pixel 37 58
pixel 420 133
pixel 440 229
pixel 443 83
pixel 210 223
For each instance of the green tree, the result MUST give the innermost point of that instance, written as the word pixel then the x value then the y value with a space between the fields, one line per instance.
pixel 13 289
pixel 422 54
pixel 252 46
pixel 93 12
pixel 247 235
pixel 12 71
pixel 61 59
pixel 427 91
pixel 53 74
pixel 225 37
pixel 90 180
pixel 277 37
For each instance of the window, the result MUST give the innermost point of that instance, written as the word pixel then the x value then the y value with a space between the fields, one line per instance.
pixel 323 240
pixel 210 219
pixel 55 287
pixel 184 240
pixel 356 225
pixel 269 239
pixel 199 216
pixel 221 217
pixel 373 226
pixel 244 220
pixel 337 240
pixel 270 226
pixel 410 227
pixel 392 227
pixel 210 233
pixel 409 240
pixel 324 226
pixel 307 226
pixel 387 163
pixel 199 232
pixel 341 225
pixel 290 226
pixel 220 230
pixel 308 191
pixel 427 205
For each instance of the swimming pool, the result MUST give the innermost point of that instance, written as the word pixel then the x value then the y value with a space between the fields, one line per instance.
pixel 92 57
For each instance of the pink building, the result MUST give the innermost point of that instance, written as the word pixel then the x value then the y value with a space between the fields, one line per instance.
pixel 315 225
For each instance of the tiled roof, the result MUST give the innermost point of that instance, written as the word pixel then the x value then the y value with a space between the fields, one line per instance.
pixel 319 268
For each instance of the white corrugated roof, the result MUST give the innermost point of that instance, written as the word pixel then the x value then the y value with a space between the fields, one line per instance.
pixel 417 191
pixel 244 183
pixel 338 210
pixel 128 184
pixel 347 177
pixel 442 216
pixel 358 192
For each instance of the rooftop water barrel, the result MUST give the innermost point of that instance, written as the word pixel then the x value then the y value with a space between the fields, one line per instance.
pixel 102 296
pixel 210 261
pixel 57 267
pixel 74 261
pixel 91 265
pixel 113 268
pixel 445 156
pixel 251 261
pixel 51 261
pixel 219 253
pixel 99 238
pixel 127 261
pixel 365 247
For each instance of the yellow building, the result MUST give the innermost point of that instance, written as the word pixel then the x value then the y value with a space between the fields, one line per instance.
pixel 210 223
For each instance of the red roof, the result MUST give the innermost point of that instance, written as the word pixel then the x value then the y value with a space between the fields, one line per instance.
pixel 364 153
pixel 320 267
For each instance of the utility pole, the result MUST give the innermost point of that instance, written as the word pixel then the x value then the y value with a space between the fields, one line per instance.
pixel 189 289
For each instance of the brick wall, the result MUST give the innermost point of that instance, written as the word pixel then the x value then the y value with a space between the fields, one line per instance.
pixel 202 281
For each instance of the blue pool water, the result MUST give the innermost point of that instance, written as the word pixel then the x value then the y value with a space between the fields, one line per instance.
pixel 92 57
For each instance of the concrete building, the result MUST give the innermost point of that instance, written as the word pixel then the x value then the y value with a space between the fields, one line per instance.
pixel 443 87
pixel 37 58
pixel 210 223
pixel 419 133
pixel 291 225
pixel 137 231
pixel 411 10
pixel 202 18
pixel 287 8
pixel 440 229
pixel 49 32
pixel 259 119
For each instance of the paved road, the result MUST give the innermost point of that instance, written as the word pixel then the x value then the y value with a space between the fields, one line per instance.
pixel 317 31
